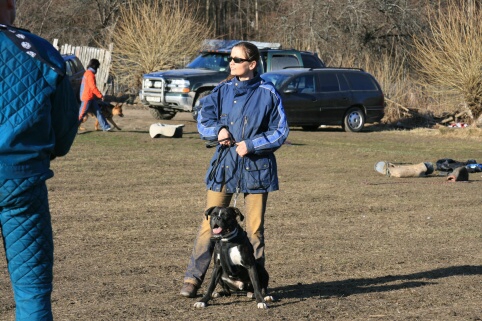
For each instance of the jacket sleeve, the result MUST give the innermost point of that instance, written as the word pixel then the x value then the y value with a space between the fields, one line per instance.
pixel 278 129
pixel 91 84
pixel 208 122
pixel 64 115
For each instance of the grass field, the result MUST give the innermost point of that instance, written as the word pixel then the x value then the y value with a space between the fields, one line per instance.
pixel 342 241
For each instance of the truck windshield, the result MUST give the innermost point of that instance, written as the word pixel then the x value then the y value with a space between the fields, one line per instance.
pixel 211 61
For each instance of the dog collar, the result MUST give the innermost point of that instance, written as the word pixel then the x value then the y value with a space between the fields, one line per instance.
pixel 230 236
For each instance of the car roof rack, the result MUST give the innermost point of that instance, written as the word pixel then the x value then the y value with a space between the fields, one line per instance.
pixel 219 44
pixel 352 68
pixel 298 67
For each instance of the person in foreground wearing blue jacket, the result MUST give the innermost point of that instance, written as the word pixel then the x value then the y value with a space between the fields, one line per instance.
pixel 247 117
pixel 38 122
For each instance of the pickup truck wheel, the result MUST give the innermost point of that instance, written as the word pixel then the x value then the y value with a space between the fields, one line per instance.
pixel 197 106
pixel 354 120
pixel 161 114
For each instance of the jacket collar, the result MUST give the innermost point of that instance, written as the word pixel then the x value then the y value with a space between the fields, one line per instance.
pixel 247 84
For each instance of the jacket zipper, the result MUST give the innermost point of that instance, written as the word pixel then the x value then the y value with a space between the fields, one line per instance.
pixel 244 126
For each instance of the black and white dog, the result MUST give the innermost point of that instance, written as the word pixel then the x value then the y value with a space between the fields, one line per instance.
pixel 235 267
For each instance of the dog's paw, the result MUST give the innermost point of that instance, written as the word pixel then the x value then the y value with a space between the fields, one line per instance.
pixel 250 295
pixel 220 294
pixel 262 305
pixel 268 298
pixel 199 305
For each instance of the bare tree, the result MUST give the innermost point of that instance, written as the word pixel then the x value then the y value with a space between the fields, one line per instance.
pixel 152 36
pixel 449 57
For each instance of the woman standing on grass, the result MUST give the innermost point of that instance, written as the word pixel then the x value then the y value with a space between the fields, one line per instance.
pixel 247 117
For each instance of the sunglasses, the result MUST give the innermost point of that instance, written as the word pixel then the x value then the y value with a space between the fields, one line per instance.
pixel 237 60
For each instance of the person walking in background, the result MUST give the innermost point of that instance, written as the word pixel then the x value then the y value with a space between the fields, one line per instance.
pixel 38 122
pixel 89 94
pixel 247 117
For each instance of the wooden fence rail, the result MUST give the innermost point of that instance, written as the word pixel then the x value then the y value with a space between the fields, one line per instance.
pixel 85 53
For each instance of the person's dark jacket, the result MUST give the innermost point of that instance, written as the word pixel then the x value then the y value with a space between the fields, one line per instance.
pixel 253 112
pixel 38 109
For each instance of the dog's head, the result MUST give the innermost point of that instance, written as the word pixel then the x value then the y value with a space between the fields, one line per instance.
pixel 117 110
pixel 223 220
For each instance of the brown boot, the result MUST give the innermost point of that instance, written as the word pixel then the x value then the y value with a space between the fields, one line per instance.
pixel 460 174
pixel 189 290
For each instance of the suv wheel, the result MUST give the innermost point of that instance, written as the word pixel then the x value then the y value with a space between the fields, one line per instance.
pixel 161 114
pixel 354 120
pixel 197 106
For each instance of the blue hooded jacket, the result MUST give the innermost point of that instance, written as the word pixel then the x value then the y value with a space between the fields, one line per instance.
pixel 253 112
pixel 38 110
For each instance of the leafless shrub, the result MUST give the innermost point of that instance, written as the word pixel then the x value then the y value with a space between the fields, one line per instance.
pixel 449 58
pixel 152 36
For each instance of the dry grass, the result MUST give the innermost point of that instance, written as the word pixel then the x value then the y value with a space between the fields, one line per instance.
pixel 343 242
pixel 449 56
pixel 151 36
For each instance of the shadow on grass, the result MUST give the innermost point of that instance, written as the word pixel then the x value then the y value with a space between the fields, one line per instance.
pixel 349 287
pixel 85 132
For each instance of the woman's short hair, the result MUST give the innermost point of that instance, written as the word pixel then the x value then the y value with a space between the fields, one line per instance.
pixel 94 63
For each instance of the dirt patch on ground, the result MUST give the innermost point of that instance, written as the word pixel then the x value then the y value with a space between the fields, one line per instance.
pixel 343 242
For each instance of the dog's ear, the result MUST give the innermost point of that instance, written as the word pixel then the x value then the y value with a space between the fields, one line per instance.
pixel 238 213
pixel 209 211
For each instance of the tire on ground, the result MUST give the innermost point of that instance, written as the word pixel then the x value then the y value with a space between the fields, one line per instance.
pixel 159 113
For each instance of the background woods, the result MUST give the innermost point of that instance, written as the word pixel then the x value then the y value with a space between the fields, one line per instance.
pixel 335 29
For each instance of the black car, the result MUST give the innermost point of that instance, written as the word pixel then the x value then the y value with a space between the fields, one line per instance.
pixel 75 71
pixel 329 96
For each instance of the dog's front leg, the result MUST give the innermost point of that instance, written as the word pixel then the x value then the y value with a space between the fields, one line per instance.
pixel 113 123
pixel 217 272
pixel 253 275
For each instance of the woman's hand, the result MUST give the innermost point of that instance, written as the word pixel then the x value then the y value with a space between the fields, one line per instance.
pixel 241 149
pixel 224 137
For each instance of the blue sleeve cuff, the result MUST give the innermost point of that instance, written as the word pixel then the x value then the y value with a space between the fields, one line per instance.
pixel 249 146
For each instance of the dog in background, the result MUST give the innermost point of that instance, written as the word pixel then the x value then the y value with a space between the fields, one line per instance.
pixel 235 267
pixel 109 111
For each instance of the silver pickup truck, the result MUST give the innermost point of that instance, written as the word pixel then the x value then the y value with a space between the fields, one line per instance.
pixel 168 92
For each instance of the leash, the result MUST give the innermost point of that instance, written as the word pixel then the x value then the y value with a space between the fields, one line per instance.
pixel 216 142
pixel 238 185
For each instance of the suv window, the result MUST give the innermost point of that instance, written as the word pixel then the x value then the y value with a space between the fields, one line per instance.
pixel 216 62
pixel 359 81
pixel 303 84
pixel 282 61
pixel 328 82
pixel 77 64
pixel 343 83
pixel 68 68
pixel 276 79
pixel 310 61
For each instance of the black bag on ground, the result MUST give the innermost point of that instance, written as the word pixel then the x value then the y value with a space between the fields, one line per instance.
pixel 448 165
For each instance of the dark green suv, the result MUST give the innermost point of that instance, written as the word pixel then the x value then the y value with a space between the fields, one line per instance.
pixel 170 91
